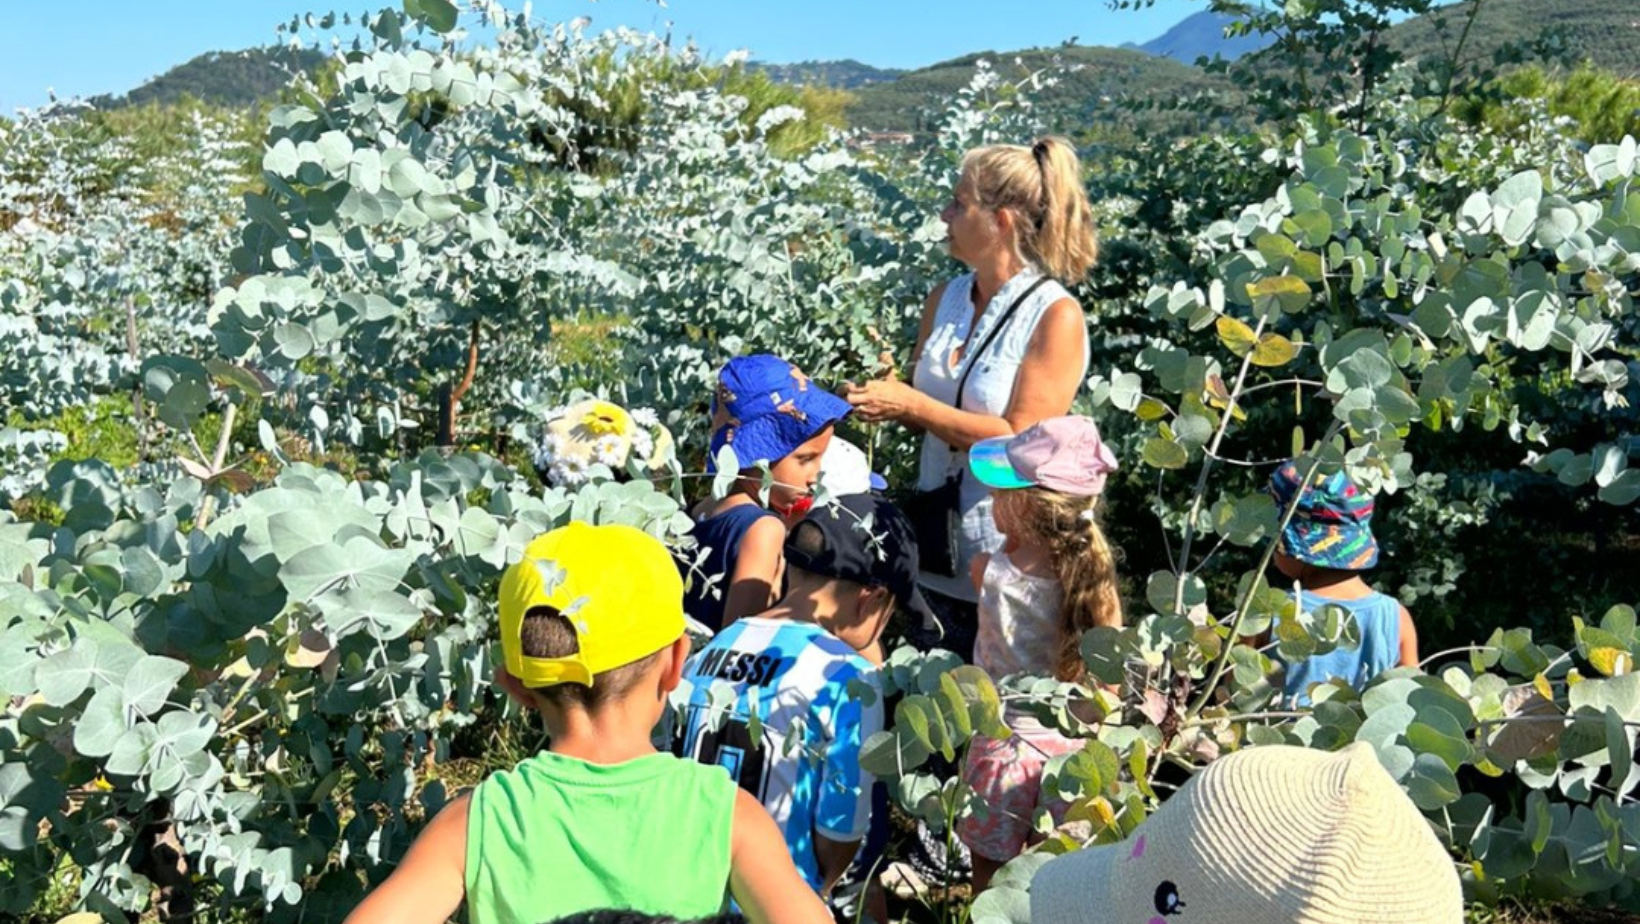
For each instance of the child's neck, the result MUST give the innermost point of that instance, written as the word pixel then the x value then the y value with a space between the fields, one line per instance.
pixel 744 492
pixel 1029 559
pixel 615 733
pixel 1336 585
pixel 813 607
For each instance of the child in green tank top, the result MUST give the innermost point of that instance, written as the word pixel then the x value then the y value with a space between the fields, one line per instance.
pixel 592 637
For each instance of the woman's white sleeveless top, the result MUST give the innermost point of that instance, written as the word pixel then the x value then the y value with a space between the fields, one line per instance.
pixel 989 390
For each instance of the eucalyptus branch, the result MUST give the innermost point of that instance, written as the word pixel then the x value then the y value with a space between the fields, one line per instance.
pixel 1244 463
pixel 258 716
pixel 1167 541
pixel 1223 660
pixel 1200 721
pixel 1207 467
pixel 131 346
pixel 1279 383
pixel 1452 651
pixel 1213 552
pixel 207 506
pixel 1570 719
pixel 1366 81
pixel 204 457
pixel 1456 59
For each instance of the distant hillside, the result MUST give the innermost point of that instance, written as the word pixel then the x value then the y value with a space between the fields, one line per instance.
pixel 1093 83
pixel 843 75
pixel 1605 32
pixel 1201 35
pixel 227 78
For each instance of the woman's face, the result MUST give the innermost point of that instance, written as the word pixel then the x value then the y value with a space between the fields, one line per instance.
pixel 970 229
pixel 796 474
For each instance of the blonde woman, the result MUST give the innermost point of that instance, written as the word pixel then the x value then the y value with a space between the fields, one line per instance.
pixel 1008 335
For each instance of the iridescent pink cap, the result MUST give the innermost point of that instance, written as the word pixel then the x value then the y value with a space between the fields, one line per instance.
pixel 1063 454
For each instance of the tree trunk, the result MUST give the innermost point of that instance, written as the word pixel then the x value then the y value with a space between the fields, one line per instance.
pixel 449 400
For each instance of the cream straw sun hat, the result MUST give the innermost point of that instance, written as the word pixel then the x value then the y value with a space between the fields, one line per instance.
pixel 1268 835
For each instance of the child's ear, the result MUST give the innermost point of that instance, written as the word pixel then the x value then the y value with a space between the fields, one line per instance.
pixel 515 689
pixel 672 672
pixel 876 606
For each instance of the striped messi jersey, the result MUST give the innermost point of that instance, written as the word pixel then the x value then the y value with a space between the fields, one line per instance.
pixel 804 762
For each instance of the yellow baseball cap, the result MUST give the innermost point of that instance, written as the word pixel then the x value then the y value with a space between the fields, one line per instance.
pixel 617 586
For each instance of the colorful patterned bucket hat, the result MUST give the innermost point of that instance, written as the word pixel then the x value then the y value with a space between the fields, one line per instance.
pixel 765 408
pixel 1331 528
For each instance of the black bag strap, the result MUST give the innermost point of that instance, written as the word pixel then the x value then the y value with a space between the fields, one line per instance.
pixel 972 359
pixel 1002 322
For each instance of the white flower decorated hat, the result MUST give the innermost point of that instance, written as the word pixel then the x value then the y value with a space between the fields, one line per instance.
pixel 593 432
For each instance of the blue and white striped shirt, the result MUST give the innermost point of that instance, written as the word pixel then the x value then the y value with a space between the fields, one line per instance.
pixel 804 765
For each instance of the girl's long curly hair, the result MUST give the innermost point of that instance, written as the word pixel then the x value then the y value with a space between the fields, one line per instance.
pixel 1067 527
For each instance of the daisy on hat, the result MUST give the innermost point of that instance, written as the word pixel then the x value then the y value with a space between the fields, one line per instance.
pixel 593 432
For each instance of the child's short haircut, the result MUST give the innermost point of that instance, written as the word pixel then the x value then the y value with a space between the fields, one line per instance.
pixel 589 602
pixel 546 633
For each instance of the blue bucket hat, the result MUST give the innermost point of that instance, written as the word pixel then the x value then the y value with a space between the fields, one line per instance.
pixel 765 408
pixel 1331 527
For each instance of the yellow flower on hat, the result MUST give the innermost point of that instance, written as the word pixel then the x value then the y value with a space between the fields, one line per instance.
pixel 606 419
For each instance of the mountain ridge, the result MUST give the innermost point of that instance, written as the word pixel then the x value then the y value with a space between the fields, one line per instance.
pixel 1202 35
pixel 225 78
pixel 890 99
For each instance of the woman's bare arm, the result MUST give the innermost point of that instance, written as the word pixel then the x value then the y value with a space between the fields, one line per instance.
pixel 1046 382
pixel 1051 372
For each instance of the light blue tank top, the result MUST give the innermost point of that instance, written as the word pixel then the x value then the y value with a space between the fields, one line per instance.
pixel 1378 620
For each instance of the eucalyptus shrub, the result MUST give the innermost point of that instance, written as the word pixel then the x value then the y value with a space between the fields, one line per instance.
pixel 271 691
pixel 1353 299
pixel 265 676
pixel 99 270
pixel 428 223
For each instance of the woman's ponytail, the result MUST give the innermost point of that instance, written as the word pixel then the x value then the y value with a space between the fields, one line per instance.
pixel 1063 241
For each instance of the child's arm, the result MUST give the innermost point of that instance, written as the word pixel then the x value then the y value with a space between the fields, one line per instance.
pixel 1409 640
pixel 833 858
pixel 757 570
pixel 976 571
pixel 761 875
pixel 429 885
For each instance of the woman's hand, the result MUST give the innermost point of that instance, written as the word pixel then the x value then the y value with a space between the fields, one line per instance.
pixel 885 399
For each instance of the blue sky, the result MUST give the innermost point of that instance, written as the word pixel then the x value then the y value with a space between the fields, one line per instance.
pixel 87 47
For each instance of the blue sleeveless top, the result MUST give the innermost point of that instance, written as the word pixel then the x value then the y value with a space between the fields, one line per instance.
pixel 721 535
pixel 1378 620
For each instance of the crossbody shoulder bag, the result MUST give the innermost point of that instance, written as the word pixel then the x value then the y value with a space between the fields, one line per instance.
pixel 936 515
